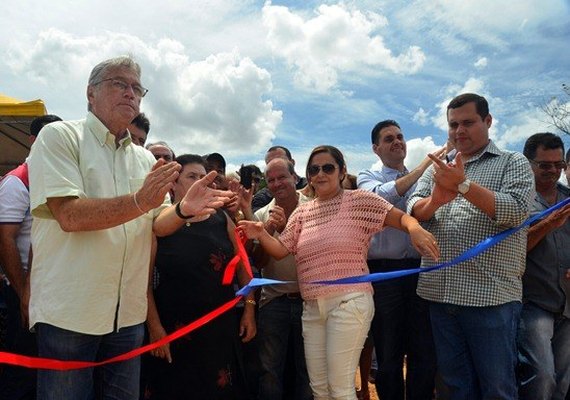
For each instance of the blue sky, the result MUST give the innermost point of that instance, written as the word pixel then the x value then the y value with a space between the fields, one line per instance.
pixel 238 77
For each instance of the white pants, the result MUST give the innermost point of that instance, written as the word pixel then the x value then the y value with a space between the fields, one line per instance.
pixel 334 331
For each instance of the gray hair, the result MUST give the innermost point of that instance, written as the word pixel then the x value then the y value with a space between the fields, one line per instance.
pixel 100 70
pixel 160 143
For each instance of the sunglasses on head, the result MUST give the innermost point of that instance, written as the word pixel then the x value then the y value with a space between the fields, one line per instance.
pixel 315 169
pixel 546 165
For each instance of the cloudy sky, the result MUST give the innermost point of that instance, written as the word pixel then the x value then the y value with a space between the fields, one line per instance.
pixel 239 76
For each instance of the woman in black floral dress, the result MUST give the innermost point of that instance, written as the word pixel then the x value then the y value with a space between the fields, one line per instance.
pixel 205 364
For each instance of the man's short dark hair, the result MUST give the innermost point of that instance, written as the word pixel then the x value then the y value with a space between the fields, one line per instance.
pixel 285 149
pixel 480 103
pixel 548 140
pixel 39 122
pixel 190 159
pixel 216 157
pixel 142 122
pixel 375 134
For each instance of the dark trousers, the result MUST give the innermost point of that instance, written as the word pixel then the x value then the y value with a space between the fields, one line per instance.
pixel 401 328
pixel 17 383
pixel 279 329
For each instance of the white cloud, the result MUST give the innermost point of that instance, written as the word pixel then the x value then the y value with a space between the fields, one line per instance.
pixel 528 123
pixel 481 63
pixel 462 24
pixel 216 104
pixel 418 149
pixel 421 117
pixel 336 41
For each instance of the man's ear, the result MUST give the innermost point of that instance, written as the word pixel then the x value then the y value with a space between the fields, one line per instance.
pixel 375 149
pixel 90 94
pixel 488 120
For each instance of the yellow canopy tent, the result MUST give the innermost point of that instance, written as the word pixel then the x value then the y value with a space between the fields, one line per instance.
pixel 15 119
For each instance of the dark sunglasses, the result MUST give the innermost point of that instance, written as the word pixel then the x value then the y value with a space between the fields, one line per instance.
pixel 546 165
pixel 315 169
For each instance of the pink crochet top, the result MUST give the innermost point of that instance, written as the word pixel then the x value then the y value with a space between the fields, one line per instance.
pixel 330 240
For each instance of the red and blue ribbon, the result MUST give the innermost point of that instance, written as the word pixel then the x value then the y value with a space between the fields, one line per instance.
pixel 38 362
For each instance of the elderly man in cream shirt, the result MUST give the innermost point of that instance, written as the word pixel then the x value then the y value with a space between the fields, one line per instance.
pixel 96 200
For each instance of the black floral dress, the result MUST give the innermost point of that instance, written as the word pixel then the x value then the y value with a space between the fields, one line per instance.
pixel 205 363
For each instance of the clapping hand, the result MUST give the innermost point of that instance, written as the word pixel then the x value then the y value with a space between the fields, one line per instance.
pixel 201 199
pixel 277 220
pixel 159 181
pixel 448 176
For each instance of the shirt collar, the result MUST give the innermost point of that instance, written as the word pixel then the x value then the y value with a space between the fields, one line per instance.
pixel 491 148
pixel 103 134
pixel 391 171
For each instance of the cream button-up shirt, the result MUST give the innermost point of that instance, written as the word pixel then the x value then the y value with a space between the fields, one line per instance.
pixel 89 282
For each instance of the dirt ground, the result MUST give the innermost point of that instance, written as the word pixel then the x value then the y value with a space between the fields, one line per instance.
pixel 371 387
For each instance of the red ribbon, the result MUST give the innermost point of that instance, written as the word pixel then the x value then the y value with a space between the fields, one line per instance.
pixel 241 255
pixel 47 363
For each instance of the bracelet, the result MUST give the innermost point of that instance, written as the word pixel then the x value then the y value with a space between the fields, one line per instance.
pixel 252 302
pixel 179 212
pixel 137 204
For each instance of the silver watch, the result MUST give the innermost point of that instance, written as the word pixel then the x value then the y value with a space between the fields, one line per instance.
pixel 464 186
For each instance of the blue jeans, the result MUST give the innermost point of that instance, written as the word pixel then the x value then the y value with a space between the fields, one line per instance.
pixel 117 381
pixel 476 349
pixel 544 354
pixel 401 327
pixel 279 326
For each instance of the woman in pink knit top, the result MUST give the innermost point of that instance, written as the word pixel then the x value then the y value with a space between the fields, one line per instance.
pixel 329 237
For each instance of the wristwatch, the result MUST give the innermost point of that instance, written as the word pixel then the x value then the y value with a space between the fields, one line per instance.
pixel 464 186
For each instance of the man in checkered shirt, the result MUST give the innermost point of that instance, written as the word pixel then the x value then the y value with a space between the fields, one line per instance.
pixel 475 305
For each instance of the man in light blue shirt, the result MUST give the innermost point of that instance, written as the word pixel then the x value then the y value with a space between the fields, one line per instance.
pixel 401 324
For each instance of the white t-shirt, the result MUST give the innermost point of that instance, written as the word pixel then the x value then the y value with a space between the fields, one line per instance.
pixel 15 209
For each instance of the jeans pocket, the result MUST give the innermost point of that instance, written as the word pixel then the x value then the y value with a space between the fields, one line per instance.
pixel 361 306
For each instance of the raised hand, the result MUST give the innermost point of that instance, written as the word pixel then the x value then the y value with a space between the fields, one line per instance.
pixel 233 205
pixel 277 220
pixel 245 196
pixel 441 196
pixel 159 181
pixel 439 154
pixel 448 176
pixel 201 199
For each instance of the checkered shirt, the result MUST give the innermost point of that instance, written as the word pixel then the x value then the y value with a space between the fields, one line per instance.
pixel 493 277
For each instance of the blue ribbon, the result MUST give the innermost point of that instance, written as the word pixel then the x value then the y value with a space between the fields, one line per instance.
pixel 382 276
